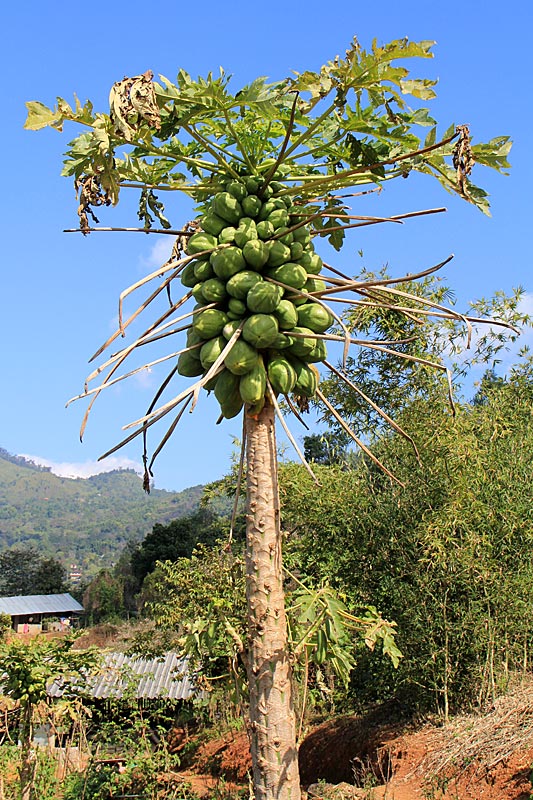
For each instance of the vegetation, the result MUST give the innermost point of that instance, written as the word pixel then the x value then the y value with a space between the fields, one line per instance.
pixel 25 571
pixel 27 668
pixel 275 154
pixel 176 540
pixel 447 555
pixel 83 521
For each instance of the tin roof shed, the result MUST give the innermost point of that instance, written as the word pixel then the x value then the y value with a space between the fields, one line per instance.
pixel 22 605
pixel 165 677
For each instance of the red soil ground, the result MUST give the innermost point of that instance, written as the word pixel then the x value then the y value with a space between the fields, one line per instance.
pixel 385 760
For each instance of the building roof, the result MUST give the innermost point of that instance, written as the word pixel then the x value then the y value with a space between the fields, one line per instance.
pixel 166 677
pixel 23 605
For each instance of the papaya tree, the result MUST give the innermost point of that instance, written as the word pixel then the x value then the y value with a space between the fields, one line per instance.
pixel 273 168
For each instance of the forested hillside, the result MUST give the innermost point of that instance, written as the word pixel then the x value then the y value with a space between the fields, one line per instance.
pixel 83 521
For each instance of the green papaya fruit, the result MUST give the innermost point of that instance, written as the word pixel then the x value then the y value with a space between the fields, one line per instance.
pixel 211 350
pixel 278 254
pixel 246 232
pixel 241 358
pixel 214 290
pixel 237 306
pixel 286 314
pixel 211 383
pixel 230 327
pixel 227 235
pixel 276 186
pixel 240 284
pixel 251 205
pixel 193 338
pixel 201 241
pixel 315 317
pixel 303 344
pixel 281 342
pixel 252 185
pixel 227 394
pixel 252 385
pixel 227 386
pixel 302 234
pixel 203 270
pixel 227 262
pixel 265 211
pixel 297 250
pixel 311 262
pixel 255 253
pixel 279 218
pixel 236 189
pixel 314 285
pixel 318 353
pixel 232 407
pixel 291 274
pixel 306 378
pixel 285 235
pixel 197 292
pixel 209 323
pixel 263 297
pixel 281 374
pixel 260 330
pixel 265 229
pixel 187 275
pixel 212 223
pixel 227 207
pixel 189 366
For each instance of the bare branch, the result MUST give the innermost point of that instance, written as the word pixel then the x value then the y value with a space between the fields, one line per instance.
pixel 356 439
pixel 373 405
pixel 159 231
pixel 194 390
pixel 291 438
pixel 239 482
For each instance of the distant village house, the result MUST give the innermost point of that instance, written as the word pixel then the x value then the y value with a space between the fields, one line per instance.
pixel 30 613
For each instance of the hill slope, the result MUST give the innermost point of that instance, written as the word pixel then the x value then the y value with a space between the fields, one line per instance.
pixel 84 521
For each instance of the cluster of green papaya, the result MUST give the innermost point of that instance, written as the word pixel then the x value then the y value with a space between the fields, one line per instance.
pixel 259 270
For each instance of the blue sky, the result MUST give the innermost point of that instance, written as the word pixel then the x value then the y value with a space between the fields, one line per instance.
pixel 60 290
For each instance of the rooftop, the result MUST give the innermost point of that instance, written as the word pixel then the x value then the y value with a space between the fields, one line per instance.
pixel 166 676
pixel 22 605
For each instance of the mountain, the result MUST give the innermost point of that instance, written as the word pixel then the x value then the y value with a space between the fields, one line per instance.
pixel 83 521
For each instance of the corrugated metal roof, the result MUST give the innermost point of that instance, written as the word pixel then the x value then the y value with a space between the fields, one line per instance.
pixel 165 677
pixel 39 604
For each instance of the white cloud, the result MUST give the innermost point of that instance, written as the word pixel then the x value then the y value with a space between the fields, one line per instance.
pixel 159 252
pixel 144 379
pixel 84 469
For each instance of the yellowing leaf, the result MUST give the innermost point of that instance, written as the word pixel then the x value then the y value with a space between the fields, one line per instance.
pixel 419 88
pixel 40 116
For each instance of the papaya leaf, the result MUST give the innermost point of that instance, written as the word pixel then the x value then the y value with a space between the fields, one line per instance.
pixel 40 116
pixel 419 88
pixel 493 153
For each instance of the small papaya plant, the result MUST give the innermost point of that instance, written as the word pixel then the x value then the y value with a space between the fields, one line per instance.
pixel 273 168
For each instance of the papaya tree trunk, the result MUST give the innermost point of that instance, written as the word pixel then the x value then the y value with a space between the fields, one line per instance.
pixel 272 718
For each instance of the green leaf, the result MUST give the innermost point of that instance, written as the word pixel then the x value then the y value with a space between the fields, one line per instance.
pixel 494 153
pixel 431 138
